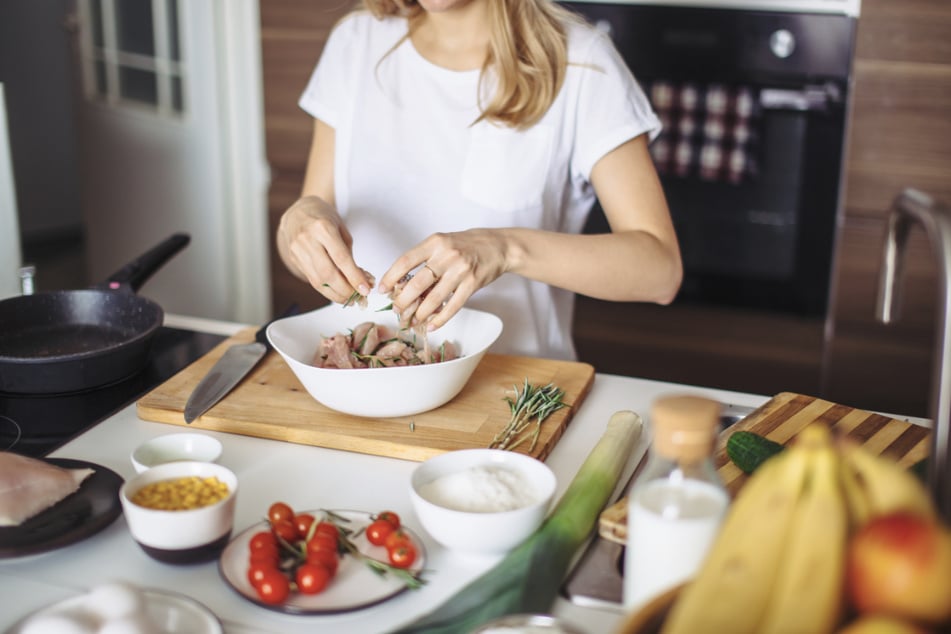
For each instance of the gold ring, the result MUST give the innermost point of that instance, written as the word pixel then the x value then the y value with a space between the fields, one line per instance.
pixel 429 268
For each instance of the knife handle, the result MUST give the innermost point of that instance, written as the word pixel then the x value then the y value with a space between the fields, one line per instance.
pixel 261 335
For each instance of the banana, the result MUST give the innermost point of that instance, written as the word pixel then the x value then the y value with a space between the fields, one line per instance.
pixel 856 496
pixel 886 485
pixel 808 595
pixel 731 591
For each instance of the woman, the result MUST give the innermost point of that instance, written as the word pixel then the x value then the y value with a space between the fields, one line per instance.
pixel 464 141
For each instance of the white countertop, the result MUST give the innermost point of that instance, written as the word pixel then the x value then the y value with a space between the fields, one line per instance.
pixel 305 477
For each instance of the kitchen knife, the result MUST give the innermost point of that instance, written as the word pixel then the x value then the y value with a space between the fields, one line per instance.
pixel 233 366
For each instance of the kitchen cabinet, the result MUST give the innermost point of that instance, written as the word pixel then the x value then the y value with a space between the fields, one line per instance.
pixel 900 136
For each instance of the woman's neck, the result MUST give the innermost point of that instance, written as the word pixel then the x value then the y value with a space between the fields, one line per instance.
pixel 456 38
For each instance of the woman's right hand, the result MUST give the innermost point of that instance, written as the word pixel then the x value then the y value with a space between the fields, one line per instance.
pixel 317 247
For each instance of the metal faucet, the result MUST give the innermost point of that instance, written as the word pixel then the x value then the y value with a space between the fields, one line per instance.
pixel 909 207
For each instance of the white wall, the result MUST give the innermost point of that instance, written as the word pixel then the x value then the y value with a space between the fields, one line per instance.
pixel 9 227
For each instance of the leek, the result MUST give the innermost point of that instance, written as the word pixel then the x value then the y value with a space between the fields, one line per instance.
pixel 527 580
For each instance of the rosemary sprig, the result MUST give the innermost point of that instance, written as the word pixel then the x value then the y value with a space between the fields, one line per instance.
pixel 411 580
pixel 355 297
pixel 529 408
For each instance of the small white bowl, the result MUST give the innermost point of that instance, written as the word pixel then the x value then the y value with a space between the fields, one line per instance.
pixel 175 447
pixel 480 531
pixel 382 392
pixel 181 537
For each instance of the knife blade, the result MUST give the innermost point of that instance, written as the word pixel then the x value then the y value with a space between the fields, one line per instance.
pixel 236 363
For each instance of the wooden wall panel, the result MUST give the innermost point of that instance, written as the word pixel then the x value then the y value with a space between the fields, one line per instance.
pixel 905 31
pixel 900 137
pixel 293 33
pixel 901 133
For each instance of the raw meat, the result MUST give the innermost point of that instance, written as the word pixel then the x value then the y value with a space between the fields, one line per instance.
pixel 28 486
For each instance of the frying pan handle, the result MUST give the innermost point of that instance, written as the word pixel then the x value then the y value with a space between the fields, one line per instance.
pixel 138 271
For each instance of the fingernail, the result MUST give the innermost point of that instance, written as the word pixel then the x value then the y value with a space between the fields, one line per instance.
pixel 364 289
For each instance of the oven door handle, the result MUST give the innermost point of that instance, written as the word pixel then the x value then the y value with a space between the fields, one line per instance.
pixel 808 99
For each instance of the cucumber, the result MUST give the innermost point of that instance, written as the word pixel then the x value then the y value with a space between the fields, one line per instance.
pixel 748 450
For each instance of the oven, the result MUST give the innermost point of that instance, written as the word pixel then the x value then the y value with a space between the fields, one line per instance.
pixel 754 97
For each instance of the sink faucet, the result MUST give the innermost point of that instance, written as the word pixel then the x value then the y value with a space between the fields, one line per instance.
pixel 912 206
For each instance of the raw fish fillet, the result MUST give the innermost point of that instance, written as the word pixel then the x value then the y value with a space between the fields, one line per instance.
pixel 28 486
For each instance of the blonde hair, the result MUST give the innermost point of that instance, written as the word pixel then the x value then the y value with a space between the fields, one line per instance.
pixel 527 58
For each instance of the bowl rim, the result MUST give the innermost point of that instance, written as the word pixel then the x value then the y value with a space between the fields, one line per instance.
pixel 465 357
pixel 547 485
pixel 150 448
pixel 157 474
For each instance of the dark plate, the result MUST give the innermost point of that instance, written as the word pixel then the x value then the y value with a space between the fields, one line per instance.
pixel 74 518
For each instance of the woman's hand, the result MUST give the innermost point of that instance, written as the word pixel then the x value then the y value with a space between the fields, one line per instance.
pixel 449 268
pixel 317 247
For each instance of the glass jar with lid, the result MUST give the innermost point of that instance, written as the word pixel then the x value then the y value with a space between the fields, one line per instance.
pixel 676 506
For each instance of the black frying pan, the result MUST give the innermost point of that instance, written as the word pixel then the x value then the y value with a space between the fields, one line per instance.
pixel 68 341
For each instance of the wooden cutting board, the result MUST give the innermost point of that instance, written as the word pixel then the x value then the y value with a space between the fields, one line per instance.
pixel 271 403
pixel 780 419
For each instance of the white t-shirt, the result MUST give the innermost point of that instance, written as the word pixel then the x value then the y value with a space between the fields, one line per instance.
pixel 409 162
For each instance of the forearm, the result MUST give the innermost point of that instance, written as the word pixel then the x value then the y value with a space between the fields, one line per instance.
pixel 625 266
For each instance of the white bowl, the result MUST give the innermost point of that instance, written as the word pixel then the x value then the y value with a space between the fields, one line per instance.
pixel 480 531
pixel 382 392
pixel 175 447
pixel 179 537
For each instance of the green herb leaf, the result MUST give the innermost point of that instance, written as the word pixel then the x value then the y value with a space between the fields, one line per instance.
pixel 529 408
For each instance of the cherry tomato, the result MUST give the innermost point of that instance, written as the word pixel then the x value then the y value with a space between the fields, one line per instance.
pixel 397 539
pixel 286 530
pixel 326 558
pixel 403 556
pixel 329 529
pixel 269 557
pixel 263 541
pixel 280 511
pixel 322 542
pixel 303 522
pixel 390 517
pixel 312 578
pixel 378 531
pixel 258 570
pixel 274 587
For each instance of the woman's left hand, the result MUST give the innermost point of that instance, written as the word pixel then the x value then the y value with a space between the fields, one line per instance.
pixel 449 268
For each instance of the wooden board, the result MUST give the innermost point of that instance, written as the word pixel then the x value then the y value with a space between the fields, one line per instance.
pixel 271 403
pixel 784 416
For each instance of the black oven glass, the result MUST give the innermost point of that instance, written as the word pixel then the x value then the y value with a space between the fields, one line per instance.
pixel 765 240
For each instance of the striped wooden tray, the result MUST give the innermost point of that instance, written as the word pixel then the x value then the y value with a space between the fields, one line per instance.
pixel 784 416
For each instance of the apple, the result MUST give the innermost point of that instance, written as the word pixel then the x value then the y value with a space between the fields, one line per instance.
pixel 899 565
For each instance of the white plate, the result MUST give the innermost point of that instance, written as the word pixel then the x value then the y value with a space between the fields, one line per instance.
pixel 170 613
pixel 354 586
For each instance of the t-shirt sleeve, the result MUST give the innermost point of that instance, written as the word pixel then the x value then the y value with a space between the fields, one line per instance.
pixel 612 107
pixel 323 96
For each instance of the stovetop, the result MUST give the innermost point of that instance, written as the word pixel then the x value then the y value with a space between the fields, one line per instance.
pixel 37 425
